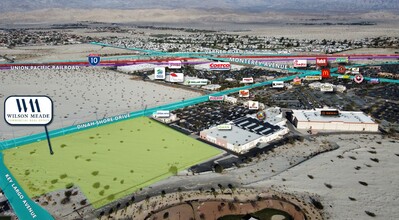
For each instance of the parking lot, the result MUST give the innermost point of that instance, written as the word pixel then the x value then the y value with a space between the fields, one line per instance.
pixel 232 160
pixel 386 91
pixel 196 118
pixel 305 98
pixel 387 111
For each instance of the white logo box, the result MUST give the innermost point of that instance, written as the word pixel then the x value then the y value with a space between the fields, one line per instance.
pixel 28 110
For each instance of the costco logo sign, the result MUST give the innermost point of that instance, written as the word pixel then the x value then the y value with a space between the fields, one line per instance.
pixel 220 66
pixel 321 62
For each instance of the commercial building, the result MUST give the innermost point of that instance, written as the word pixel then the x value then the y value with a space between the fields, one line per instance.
pixel 169 118
pixel 267 130
pixel 245 134
pixel 327 87
pixel 332 120
pixel 236 139
pixel 275 116
pixel 137 67
pixel 211 87
pixel 340 88
pixel 230 99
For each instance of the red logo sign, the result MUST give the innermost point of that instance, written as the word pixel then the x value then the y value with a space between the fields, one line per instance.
pixel 248 80
pixel 321 62
pixel 216 98
pixel 243 93
pixel 219 66
pixel 325 73
pixel 297 79
pixel 176 77
pixel 342 69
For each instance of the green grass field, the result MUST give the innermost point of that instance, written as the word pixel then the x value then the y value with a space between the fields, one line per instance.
pixel 106 162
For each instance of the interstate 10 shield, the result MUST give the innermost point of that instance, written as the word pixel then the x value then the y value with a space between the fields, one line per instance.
pixel 94 59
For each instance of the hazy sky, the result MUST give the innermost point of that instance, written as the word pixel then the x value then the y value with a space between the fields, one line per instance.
pixel 240 5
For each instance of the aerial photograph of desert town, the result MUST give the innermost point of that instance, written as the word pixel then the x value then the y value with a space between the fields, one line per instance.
pixel 199 110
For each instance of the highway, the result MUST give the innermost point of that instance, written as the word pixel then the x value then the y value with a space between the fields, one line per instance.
pixel 186 56
pixel 13 198
pixel 172 106
pixel 18 204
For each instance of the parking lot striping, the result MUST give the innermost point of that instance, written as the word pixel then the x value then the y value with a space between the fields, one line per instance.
pixel 172 106
pixel 58 132
pixel 72 129
pixel 11 143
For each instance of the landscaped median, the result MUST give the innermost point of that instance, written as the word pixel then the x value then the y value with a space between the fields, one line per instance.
pixel 106 162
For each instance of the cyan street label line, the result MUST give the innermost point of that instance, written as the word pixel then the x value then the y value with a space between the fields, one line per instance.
pixel 23 206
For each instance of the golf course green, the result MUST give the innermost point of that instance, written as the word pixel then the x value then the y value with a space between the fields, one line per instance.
pixel 106 162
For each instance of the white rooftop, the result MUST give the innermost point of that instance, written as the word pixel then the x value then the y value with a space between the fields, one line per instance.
pixel 137 67
pixel 274 115
pixel 236 135
pixel 344 116
pixel 211 86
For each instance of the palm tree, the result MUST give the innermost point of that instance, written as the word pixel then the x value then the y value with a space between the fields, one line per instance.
pixel 221 187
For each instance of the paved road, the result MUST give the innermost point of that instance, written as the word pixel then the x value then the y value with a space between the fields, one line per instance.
pixel 27 209
pixel 7 144
pixel 23 206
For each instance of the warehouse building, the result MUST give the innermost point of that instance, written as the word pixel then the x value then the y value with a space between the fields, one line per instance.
pixel 332 120
pixel 327 87
pixel 137 67
pixel 230 99
pixel 244 134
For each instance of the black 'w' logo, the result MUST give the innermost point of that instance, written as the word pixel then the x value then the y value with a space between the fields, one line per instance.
pixel 34 105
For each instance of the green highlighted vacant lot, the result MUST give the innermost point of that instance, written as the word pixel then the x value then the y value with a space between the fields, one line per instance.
pixel 106 162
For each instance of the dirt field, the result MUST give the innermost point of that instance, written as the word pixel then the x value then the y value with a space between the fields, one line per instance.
pixel 106 162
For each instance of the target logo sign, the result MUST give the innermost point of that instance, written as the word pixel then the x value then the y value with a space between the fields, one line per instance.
pixel 321 61
pixel 341 69
pixel 358 78
pixel 325 73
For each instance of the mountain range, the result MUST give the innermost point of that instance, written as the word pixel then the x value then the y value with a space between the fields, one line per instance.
pixel 305 6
